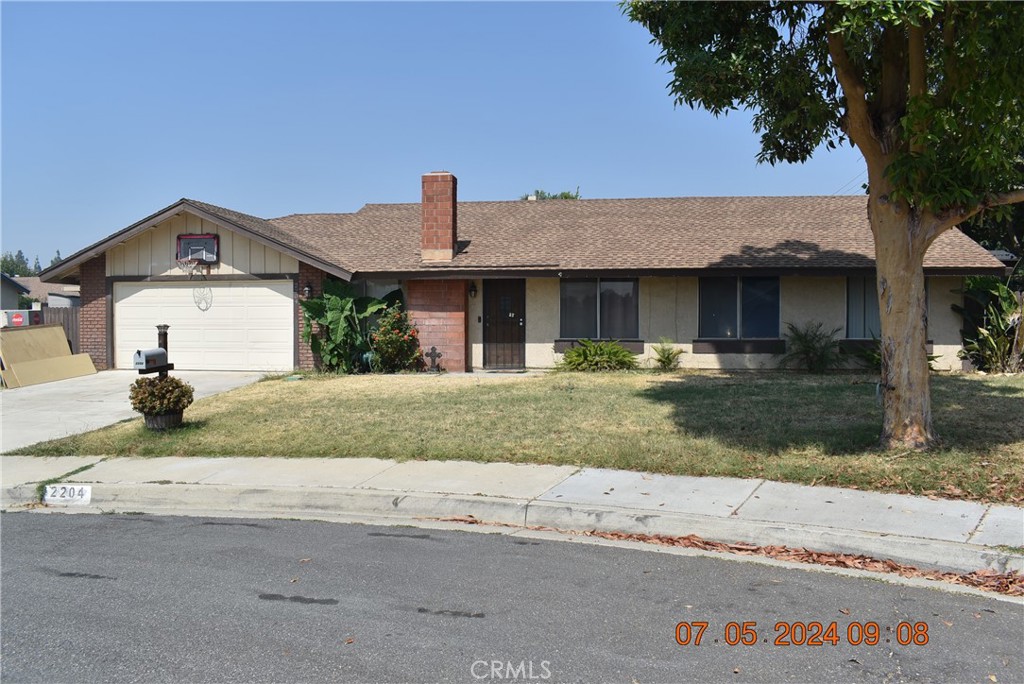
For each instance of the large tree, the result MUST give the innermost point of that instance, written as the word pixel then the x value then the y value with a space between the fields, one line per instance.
pixel 931 94
pixel 15 264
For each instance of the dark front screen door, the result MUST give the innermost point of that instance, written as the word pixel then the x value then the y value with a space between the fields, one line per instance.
pixel 504 323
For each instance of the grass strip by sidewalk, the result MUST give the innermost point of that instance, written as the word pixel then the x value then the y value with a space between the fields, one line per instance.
pixel 41 486
pixel 780 426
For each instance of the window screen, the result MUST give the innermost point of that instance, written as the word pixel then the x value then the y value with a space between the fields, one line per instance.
pixel 862 317
pixel 619 310
pixel 579 308
pixel 760 306
pixel 718 308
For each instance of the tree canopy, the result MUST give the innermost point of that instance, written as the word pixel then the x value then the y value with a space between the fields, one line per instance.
pixel 15 264
pixel 543 195
pixel 935 87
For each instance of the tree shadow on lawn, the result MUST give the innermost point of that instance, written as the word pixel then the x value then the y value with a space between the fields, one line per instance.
pixel 839 414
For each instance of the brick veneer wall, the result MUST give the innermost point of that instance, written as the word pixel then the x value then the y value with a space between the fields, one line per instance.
pixel 93 316
pixel 439 229
pixel 314 277
pixel 438 309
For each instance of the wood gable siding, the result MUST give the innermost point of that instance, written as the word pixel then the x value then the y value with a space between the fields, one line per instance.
pixel 152 253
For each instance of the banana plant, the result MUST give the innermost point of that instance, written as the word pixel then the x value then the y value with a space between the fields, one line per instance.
pixel 336 325
pixel 994 341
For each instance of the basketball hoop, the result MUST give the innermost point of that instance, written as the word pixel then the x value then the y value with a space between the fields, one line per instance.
pixel 188 266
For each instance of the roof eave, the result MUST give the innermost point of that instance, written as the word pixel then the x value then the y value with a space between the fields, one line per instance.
pixel 65 270
pixel 456 273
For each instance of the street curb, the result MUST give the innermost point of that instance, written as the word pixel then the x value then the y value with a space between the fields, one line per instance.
pixel 408 508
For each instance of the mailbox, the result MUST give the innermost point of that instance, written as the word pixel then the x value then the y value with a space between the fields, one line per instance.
pixel 145 359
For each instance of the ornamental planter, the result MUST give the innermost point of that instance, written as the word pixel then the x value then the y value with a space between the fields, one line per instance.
pixel 164 421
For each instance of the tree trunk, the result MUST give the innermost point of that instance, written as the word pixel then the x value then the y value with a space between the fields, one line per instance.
pixel 900 243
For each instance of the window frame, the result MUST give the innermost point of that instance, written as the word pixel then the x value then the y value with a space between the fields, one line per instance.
pixel 597 304
pixel 738 281
pixel 874 280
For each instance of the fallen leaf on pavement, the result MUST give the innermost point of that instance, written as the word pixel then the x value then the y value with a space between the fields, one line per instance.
pixel 1009 583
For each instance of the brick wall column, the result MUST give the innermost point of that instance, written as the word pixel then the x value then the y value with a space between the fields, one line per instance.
pixel 438 308
pixel 94 314
pixel 314 277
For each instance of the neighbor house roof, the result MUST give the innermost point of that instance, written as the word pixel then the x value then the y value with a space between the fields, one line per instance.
pixel 11 281
pixel 40 291
pixel 780 234
pixel 822 234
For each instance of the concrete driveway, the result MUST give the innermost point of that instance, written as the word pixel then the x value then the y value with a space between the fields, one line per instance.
pixel 67 407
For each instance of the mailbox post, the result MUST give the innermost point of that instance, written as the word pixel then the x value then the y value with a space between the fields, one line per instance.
pixel 148 361
pixel 161 336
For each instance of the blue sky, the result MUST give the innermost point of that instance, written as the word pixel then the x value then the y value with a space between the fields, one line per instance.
pixel 111 111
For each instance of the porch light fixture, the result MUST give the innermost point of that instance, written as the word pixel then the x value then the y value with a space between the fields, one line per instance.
pixel 472 288
pixel 307 291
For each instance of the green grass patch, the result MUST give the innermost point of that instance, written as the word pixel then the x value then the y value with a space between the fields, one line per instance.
pixel 41 486
pixel 780 426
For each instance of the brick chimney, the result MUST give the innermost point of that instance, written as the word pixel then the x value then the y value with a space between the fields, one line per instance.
pixel 439 235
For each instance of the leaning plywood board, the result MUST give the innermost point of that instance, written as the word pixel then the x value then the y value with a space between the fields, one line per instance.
pixel 32 343
pixel 38 344
pixel 49 370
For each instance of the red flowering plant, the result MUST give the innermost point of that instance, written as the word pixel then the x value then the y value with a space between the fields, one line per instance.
pixel 395 342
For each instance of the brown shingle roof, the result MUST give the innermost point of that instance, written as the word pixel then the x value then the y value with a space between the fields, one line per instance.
pixel 779 233
pixel 39 290
pixel 262 227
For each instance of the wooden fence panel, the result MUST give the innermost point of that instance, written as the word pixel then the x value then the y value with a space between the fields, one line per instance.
pixel 68 317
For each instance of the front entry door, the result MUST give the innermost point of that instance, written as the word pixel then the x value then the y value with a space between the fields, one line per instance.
pixel 505 323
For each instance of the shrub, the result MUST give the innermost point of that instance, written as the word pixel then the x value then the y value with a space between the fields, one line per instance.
pixel 159 396
pixel 597 356
pixel 993 331
pixel 394 342
pixel 812 348
pixel 870 356
pixel 666 355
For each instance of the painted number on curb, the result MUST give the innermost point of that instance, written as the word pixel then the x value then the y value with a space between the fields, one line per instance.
pixel 68 495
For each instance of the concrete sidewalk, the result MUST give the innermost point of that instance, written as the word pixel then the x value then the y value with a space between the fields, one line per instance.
pixel 67 407
pixel 943 534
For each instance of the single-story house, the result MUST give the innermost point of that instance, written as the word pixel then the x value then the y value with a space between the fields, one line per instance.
pixel 502 285
pixel 10 292
pixel 56 295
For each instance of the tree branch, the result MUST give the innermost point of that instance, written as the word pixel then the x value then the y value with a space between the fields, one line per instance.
pixel 858 119
pixel 950 64
pixel 918 87
pixel 956 218
pixel 890 103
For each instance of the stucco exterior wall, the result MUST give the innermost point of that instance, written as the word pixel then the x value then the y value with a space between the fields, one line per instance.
pixel 811 300
pixel 475 325
pixel 542 321
pixel 153 252
pixel 944 323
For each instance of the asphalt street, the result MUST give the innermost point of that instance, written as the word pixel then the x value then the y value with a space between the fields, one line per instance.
pixel 138 598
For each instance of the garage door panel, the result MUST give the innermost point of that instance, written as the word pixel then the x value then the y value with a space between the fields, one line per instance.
pixel 247 326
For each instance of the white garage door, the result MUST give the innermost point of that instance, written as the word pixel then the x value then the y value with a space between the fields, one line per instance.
pixel 214 325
